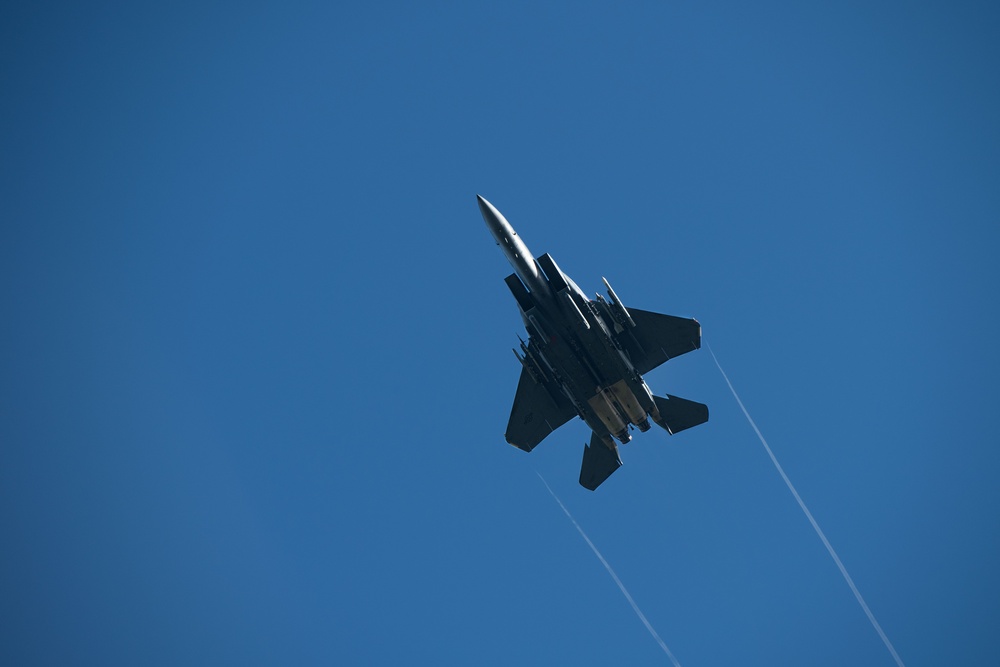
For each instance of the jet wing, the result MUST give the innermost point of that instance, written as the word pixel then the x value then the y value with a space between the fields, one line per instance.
pixel 657 338
pixel 536 413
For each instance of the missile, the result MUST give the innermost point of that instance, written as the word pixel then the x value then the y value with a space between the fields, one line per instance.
pixel 513 247
pixel 618 308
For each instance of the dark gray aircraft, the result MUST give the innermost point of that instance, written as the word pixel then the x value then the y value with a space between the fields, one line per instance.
pixel 586 359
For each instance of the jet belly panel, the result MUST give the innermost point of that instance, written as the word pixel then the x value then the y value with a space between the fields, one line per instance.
pixel 604 407
pixel 576 380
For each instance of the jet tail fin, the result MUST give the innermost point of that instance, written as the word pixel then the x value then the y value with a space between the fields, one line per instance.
pixel 599 461
pixel 677 414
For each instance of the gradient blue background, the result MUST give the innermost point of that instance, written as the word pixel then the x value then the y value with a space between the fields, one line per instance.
pixel 255 365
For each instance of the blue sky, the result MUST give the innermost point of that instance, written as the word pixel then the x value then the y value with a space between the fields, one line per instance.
pixel 255 365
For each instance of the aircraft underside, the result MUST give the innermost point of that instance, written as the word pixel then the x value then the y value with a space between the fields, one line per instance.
pixel 586 358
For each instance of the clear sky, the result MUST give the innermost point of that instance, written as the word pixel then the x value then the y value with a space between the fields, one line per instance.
pixel 254 336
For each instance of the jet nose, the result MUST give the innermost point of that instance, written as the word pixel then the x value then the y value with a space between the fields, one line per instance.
pixel 492 216
pixel 485 208
pixel 497 224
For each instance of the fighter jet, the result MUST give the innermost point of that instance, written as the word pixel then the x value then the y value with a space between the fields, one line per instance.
pixel 585 358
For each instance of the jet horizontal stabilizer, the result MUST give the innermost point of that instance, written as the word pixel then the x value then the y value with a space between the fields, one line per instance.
pixel 599 461
pixel 677 414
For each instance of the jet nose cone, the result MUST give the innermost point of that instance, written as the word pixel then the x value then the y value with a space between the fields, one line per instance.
pixel 494 220
pixel 485 207
pixel 498 225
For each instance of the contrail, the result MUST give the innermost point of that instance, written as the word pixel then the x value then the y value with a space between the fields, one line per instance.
pixel 822 537
pixel 635 607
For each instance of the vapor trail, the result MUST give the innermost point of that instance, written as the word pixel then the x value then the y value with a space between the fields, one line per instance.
pixel 635 607
pixel 805 510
